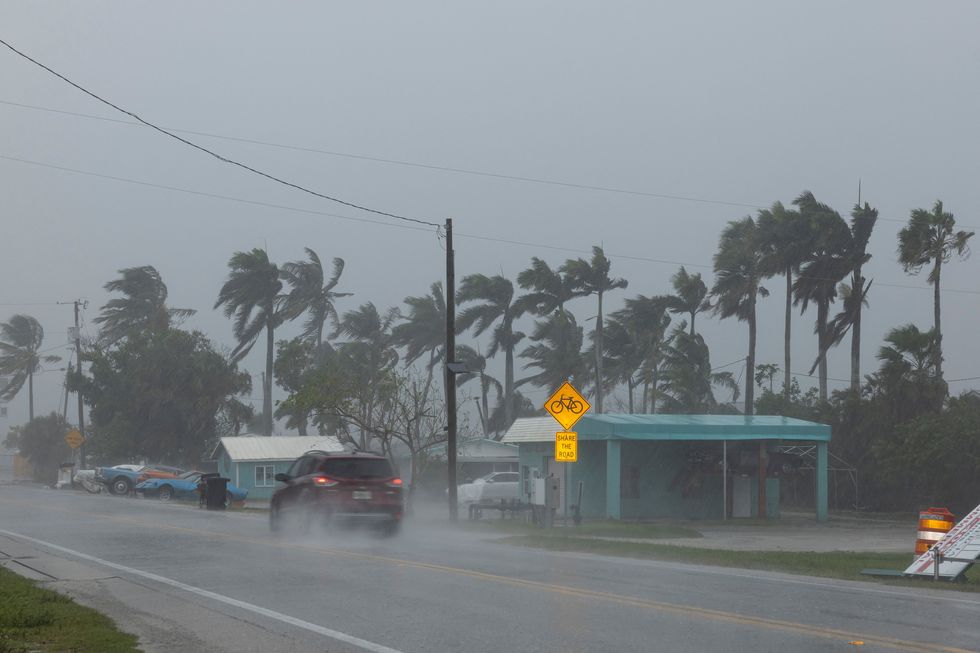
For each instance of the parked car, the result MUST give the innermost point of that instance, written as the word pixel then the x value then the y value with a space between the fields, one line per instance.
pixel 338 488
pixel 492 488
pixel 121 479
pixel 184 487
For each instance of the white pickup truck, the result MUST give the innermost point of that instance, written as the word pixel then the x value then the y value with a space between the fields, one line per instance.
pixel 490 489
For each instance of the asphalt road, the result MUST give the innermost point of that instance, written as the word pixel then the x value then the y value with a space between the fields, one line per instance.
pixel 194 580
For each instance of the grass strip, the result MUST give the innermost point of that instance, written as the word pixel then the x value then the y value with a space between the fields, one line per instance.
pixel 36 619
pixel 838 564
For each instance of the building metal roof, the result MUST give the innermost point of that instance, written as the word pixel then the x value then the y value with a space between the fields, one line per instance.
pixel 245 448
pixel 482 450
pixel 613 426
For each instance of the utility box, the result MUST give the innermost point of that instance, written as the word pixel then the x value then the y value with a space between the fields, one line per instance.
pixel 552 492
pixel 215 492
pixel 537 491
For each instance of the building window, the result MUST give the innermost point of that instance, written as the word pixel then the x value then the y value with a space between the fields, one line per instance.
pixel 265 476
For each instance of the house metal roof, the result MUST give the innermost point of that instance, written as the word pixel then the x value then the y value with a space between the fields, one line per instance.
pixel 245 448
pixel 482 450
pixel 612 426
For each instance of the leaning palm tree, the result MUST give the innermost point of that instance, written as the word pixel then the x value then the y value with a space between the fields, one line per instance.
pixel 592 278
pixel 687 381
pixel 476 368
pixel 738 271
pixel 929 238
pixel 251 294
pixel 21 357
pixel 423 330
pixel 556 353
pixel 785 243
pixel 690 295
pixel 310 294
pixel 854 295
pixel 497 295
pixel 142 308
pixel 549 289
pixel 825 265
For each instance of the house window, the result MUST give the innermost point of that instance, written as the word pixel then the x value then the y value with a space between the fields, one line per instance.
pixel 265 476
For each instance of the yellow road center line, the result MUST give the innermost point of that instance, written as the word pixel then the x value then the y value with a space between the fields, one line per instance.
pixel 563 590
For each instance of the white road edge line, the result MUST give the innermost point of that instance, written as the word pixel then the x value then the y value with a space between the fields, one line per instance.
pixel 265 612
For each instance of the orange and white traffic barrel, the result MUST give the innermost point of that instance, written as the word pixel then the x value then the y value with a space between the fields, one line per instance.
pixel 934 523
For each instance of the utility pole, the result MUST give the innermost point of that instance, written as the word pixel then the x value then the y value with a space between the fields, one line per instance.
pixel 81 407
pixel 450 374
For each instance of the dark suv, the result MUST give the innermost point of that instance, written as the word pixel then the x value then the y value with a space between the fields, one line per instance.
pixel 328 488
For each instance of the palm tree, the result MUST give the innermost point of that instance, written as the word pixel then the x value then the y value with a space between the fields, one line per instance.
pixel 907 379
pixel 423 330
pixel 550 289
pixel 251 294
pixel 825 265
pixel 476 367
pixel 785 244
pixel 309 294
pixel 142 308
pixel 592 278
pixel 635 342
pixel 556 352
pixel 497 293
pixel 854 295
pixel 690 295
pixel 738 271
pixel 20 357
pixel 929 238
pixel 686 385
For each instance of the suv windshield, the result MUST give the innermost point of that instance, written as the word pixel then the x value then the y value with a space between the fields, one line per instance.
pixel 356 468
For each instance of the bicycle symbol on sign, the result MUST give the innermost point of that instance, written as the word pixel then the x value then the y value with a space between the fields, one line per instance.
pixel 573 405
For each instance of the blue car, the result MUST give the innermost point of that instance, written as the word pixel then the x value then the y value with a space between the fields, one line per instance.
pixel 184 487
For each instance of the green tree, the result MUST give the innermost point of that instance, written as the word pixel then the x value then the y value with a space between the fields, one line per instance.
pixel 295 360
pixel 635 341
pixel 687 379
pixel 42 442
pixel 928 238
pixel 690 295
pixel 785 241
pixel 143 306
pixel 556 352
pixel 549 289
pixel 423 331
pixel 251 294
pixel 21 357
pixel 310 294
pixel 497 295
pixel 592 278
pixel 160 395
pixel 738 272
pixel 476 366
pixel 826 264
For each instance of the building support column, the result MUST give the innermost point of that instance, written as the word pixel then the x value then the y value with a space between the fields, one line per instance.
pixel 613 468
pixel 821 479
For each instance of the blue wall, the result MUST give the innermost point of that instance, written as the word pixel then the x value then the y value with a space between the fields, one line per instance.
pixel 243 475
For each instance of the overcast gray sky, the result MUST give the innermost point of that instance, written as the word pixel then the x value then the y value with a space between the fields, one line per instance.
pixel 745 103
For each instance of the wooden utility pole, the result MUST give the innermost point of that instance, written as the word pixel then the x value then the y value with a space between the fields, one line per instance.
pixel 81 407
pixel 450 374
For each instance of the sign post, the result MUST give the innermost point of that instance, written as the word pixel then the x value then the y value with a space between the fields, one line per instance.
pixel 567 406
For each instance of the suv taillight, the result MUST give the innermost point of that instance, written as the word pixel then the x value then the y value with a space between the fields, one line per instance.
pixel 395 482
pixel 323 481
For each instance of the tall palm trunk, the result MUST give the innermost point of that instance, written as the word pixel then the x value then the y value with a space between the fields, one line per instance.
pixel 645 397
pixel 935 308
pixel 598 358
pixel 786 333
pixel 750 364
pixel 823 308
pixel 267 381
pixel 857 285
pixel 509 385
pixel 630 385
pixel 30 396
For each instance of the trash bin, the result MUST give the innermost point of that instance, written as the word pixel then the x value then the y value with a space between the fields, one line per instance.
pixel 217 488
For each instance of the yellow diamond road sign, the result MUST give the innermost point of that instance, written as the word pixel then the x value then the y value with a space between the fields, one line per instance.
pixel 74 439
pixel 566 447
pixel 566 405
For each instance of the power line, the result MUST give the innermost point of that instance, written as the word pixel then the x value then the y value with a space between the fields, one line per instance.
pixel 189 191
pixel 508 241
pixel 211 152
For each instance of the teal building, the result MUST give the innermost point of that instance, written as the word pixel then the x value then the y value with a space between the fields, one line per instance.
pixel 678 466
